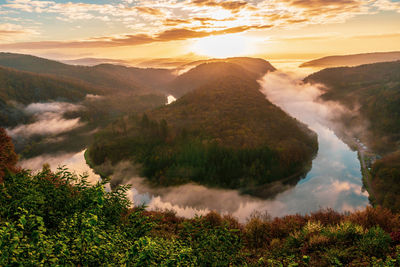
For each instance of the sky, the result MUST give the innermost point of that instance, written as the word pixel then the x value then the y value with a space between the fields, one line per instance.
pixel 129 29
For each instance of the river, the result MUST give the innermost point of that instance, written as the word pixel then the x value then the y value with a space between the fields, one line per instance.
pixel 335 180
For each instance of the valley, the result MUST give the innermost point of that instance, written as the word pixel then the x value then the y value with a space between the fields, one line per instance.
pixel 200 133
pixel 281 197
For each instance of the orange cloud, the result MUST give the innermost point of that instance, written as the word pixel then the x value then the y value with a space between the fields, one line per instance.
pixel 233 6
pixel 130 40
pixel 150 11
pixel 175 22
pixel 10 31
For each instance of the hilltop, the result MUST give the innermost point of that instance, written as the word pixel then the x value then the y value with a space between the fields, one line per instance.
pixel 224 133
pixel 352 60
pixel 202 72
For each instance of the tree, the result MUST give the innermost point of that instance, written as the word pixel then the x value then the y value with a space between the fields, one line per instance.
pixel 164 129
pixel 8 157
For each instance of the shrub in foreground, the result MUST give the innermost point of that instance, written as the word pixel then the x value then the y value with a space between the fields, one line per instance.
pixel 60 219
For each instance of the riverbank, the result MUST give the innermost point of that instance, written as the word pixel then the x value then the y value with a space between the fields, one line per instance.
pixel 366 176
pixel 362 150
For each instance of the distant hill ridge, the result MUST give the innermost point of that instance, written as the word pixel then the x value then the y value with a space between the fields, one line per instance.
pixel 112 78
pixel 26 87
pixel 353 60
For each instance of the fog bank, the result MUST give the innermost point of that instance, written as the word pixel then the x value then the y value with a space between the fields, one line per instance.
pixel 47 120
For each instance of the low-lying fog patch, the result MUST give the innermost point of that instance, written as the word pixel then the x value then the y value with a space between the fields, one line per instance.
pixel 48 119
pixel 170 99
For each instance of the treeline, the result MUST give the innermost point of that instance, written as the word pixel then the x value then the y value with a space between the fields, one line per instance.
pixel 186 157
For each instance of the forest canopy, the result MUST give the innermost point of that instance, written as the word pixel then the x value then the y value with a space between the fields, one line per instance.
pixel 224 133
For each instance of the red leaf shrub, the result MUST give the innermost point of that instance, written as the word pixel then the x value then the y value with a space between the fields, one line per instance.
pixel 8 157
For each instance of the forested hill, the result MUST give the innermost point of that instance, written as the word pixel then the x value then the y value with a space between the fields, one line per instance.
pixel 25 88
pixel 252 68
pixel 353 60
pixel 256 65
pixel 234 113
pixel 224 133
pixel 112 78
pixel 373 92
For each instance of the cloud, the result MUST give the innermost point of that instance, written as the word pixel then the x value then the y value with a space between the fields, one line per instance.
pixel 150 11
pixel 171 20
pixel 233 6
pixel 300 100
pixel 387 5
pixel 175 22
pixel 380 36
pixel 130 40
pixel 73 161
pixel 10 31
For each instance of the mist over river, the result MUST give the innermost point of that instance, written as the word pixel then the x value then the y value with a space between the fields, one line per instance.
pixel 334 181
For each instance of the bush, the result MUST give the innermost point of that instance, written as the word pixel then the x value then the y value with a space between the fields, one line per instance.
pixel 257 233
pixel 375 242
pixel 212 245
pixel 159 252
pixel 378 216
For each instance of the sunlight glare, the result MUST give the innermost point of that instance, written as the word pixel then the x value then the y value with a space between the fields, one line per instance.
pixel 221 46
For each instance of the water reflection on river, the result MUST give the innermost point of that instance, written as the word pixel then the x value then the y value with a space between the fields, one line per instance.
pixel 334 180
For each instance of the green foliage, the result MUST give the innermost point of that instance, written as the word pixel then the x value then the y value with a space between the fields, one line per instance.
pixel 213 244
pixel 60 219
pixel 386 181
pixel 160 252
pixel 375 242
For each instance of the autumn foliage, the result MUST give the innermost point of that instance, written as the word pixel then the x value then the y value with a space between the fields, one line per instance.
pixel 8 158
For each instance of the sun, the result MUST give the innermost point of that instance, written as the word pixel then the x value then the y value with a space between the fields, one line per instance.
pixel 221 46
